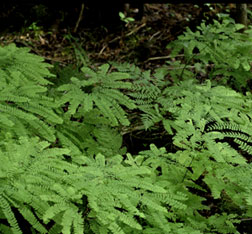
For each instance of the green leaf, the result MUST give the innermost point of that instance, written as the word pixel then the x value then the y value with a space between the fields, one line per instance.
pixel 245 65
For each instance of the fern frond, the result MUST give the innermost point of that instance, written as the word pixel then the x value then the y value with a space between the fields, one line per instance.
pixel 43 129
pixel 99 90
pixel 16 112
pixel 29 65
pixel 29 216
pixel 42 111
pixel 244 145
pixel 8 213
pixel 24 105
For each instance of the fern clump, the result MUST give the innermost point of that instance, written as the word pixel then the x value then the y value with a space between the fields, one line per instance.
pixel 186 198
pixel 28 169
pixel 29 66
pixel 91 136
pixel 146 89
pixel 202 119
pixel 66 169
pixel 99 90
pixel 192 104
pixel 218 51
pixel 25 107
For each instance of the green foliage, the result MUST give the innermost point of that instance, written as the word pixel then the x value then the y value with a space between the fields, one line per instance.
pixel 35 29
pixel 64 168
pixel 99 90
pixel 218 50
pixel 145 91
pixel 25 108
pixel 81 56
pixel 28 168
pixel 126 19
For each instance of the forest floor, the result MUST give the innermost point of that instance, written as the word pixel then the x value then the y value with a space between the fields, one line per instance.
pixel 142 41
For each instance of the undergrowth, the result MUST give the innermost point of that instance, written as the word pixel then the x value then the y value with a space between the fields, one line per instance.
pixel 217 51
pixel 65 168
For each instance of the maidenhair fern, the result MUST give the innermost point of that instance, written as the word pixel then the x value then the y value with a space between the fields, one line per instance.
pixel 92 135
pixel 28 167
pixel 99 90
pixel 114 192
pixel 17 61
pixel 202 119
pixel 24 105
pixel 240 134
pixel 146 89
pixel 192 106
pixel 218 50
pixel 63 168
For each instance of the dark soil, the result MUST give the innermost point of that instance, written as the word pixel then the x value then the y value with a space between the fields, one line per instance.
pixel 103 37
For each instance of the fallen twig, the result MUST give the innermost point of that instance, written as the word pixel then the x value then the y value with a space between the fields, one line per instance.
pixel 79 18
